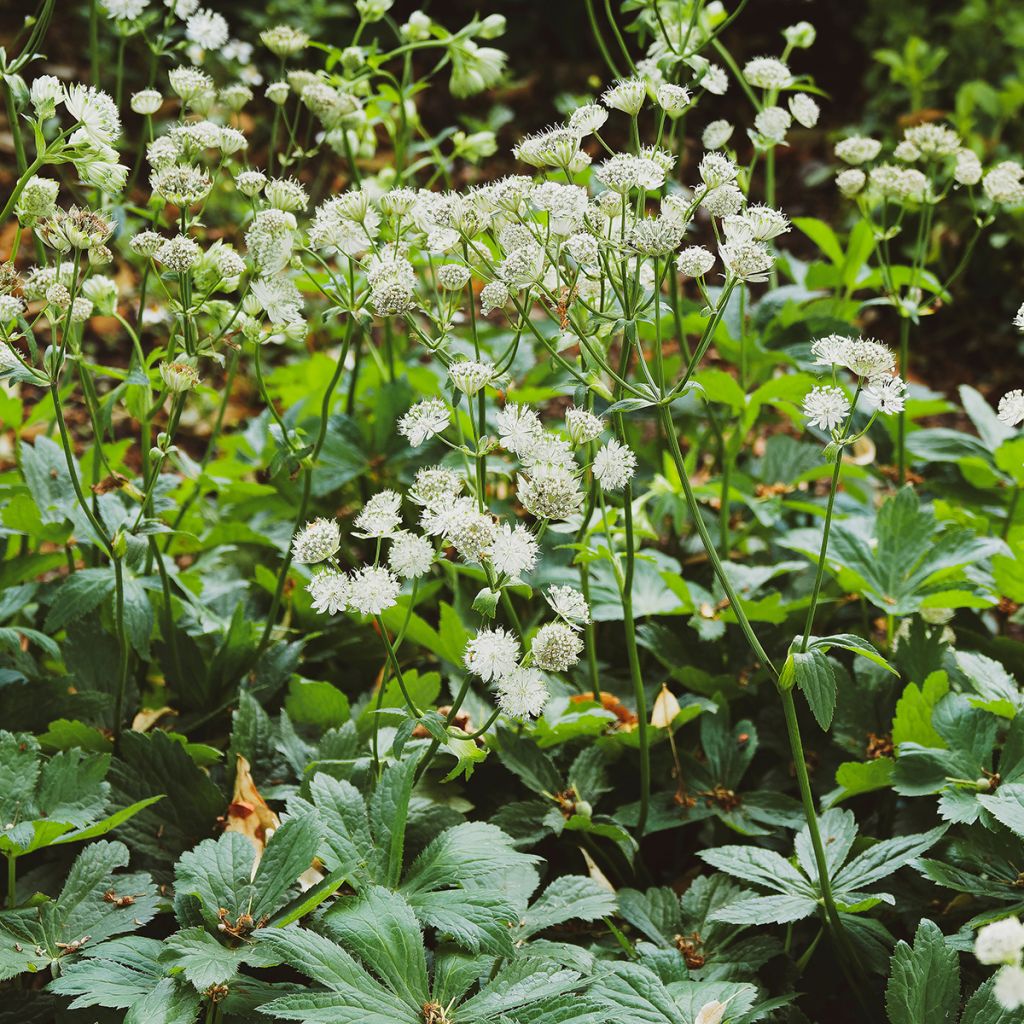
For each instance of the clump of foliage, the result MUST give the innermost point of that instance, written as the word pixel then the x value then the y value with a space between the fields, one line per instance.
pixel 439 595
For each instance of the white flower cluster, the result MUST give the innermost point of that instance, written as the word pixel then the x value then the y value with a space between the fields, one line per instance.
pixel 873 363
pixel 1002 943
pixel 944 161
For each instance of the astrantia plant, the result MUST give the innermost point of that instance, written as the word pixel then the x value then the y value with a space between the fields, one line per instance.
pixel 458 573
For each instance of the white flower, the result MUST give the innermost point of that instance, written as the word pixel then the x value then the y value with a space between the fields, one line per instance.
pixel 522 693
pixel 46 93
pixel 148 101
pixel 178 254
pixel 250 183
pixel 556 647
pixel 435 485
pixel 1000 942
pixel 627 95
pixel 1011 407
pixel 717 134
pixel 97 112
pixel 453 277
pixel 723 201
pixel 695 261
pixel 380 516
pixel 583 426
pixel 469 376
pixel 425 419
pixel 968 167
pixel 804 110
pixel 471 532
pixel 330 591
pixel 569 604
pixel 715 169
pixel 1009 987
pixel 747 260
pixel 673 98
pixel 1018 320
pixel 767 73
pixel 715 80
pixel 179 377
pixel 124 10
pixel 519 429
pixel 858 149
pixel 492 654
pixel 373 590
pixel 588 118
pixel 278 298
pixel 411 555
pixel 550 492
pixel 317 541
pixel 1002 184
pixel 614 465
pixel 513 551
pixel 773 123
pixel 851 181
pixel 826 407
pixel 887 394
pixel 493 296
pixel 207 29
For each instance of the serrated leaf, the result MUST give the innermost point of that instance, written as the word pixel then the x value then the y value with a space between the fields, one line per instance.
pixel 924 984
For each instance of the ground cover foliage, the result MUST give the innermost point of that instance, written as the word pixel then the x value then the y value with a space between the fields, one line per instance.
pixel 437 595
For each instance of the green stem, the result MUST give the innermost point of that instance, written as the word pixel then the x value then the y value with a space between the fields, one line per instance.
pixel 901 443
pixel 122 639
pixel 809 625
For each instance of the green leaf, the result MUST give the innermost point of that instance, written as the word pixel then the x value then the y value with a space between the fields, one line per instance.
pixel 857 777
pixel 924 984
pixel 568 898
pixel 766 910
pixel 389 811
pixel 885 858
pixel 114 974
pixel 203 960
pixel 78 595
pixel 816 678
pixel 850 642
pixel 289 853
pixel 171 1002
pixel 218 873
pixel 913 720
pixel 348 844
pixel 381 928
pixel 316 703
pixel 762 867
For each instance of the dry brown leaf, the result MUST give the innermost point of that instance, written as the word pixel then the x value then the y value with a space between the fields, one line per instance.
pixel 148 717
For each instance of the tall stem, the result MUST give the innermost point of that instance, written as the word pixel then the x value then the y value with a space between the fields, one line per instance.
pixel 901 442
pixel 824 550
pixel 792 726
pixel 639 697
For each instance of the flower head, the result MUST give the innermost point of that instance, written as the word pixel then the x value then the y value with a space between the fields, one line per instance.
pixel 556 647
pixel 373 590
pixel 492 654
pixel 317 541
pixel 411 555
pixel 1011 407
pixel 569 604
pixel 614 465
pixel 380 516
pixel 522 693
pixel 329 590
pixel 513 550
pixel 424 420
pixel 826 407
